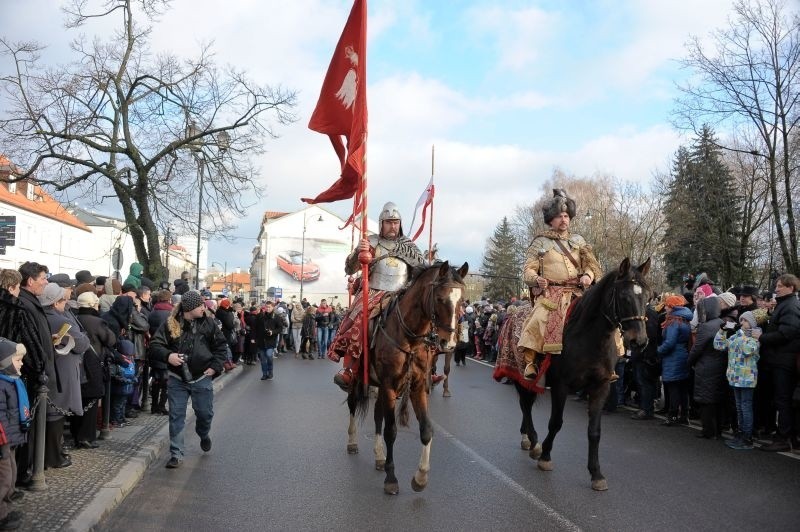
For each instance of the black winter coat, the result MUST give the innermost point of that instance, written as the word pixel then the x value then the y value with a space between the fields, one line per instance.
pixel 47 354
pixel 267 330
pixel 710 383
pixel 200 339
pixel 19 325
pixel 227 319
pixel 103 340
pixel 649 355
pixel 780 342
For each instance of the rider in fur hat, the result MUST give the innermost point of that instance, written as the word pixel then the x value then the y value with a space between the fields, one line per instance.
pixel 558 267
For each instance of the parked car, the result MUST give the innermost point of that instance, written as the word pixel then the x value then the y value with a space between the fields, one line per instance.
pixel 293 263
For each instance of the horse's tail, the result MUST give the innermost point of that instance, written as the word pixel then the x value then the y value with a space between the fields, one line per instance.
pixel 361 401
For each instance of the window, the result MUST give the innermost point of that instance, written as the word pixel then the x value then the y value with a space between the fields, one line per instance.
pixel 12 187
pixel 30 192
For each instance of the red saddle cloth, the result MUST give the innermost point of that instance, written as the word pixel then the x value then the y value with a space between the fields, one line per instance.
pixel 510 359
pixel 350 335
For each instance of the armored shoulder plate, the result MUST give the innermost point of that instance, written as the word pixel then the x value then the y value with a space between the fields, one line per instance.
pixel 576 241
pixel 541 243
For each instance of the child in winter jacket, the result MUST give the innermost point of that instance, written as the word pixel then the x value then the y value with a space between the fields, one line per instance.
pixel 15 419
pixel 742 374
pixel 123 379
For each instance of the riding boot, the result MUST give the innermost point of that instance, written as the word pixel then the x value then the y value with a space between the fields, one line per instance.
pixel 531 367
pixel 345 378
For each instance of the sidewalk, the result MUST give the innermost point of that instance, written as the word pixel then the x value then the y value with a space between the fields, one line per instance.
pixel 79 496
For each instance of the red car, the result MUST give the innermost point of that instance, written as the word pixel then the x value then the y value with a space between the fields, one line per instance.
pixel 292 262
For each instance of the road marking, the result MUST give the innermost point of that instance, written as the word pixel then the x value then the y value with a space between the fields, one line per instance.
pixel 563 522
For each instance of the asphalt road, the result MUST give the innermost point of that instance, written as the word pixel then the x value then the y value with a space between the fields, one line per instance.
pixel 279 463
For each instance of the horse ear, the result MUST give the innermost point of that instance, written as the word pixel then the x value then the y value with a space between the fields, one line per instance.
pixel 624 267
pixel 444 268
pixel 644 268
pixel 463 270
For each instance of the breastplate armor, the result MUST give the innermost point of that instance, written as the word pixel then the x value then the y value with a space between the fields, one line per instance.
pixel 388 273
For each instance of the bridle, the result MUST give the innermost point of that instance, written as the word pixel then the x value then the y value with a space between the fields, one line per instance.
pixel 430 338
pixel 615 320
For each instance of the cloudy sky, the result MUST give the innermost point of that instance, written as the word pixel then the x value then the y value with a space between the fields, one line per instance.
pixel 506 91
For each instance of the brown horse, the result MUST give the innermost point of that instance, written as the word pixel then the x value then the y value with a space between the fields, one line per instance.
pixel 419 321
pixel 617 302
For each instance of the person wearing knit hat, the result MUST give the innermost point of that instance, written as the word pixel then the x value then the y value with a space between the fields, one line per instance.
pixel 742 374
pixel 11 354
pixel 225 303
pixel 675 300
pixel 194 349
pixel 15 418
pixel 191 300
pixel 728 298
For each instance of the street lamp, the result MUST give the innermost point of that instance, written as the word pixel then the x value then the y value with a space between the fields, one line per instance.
pixel 224 275
pixel 196 146
pixel 303 252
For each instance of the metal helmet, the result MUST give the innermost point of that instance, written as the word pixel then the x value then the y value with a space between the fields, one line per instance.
pixel 390 212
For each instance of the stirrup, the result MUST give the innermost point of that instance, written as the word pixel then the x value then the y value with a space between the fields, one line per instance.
pixel 531 371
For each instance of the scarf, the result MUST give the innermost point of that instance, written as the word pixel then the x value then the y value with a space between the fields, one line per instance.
pixel 22 399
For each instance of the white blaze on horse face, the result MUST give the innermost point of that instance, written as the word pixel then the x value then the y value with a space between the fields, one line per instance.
pixel 637 289
pixel 455 298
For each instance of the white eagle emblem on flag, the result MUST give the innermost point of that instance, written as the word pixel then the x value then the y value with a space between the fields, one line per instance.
pixel 347 92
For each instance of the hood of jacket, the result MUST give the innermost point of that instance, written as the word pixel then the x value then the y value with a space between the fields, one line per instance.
pixel 682 312
pixel 136 269
pixel 712 308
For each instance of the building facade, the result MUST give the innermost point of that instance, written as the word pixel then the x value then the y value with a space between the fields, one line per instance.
pixel 301 255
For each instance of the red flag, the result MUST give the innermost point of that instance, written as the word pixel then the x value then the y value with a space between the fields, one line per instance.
pixel 424 201
pixel 342 108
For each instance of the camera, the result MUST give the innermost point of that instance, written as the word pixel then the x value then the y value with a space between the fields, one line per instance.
pixel 186 375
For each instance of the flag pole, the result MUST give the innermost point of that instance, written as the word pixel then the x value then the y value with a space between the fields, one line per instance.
pixel 364 257
pixel 430 228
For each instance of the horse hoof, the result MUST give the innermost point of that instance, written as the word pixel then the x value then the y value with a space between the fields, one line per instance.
pixel 352 448
pixel 525 444
pixel 391 488
pixel 417 486
pixel 600 485
pixel 536 452
pixel 379 464
pixel 545 465
pixel 446 393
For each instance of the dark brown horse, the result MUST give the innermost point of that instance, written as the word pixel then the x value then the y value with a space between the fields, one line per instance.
pixel 419 321
pixel 616 303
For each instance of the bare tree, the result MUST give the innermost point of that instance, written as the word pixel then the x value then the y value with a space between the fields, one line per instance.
pixel 750 79
pixel 171 139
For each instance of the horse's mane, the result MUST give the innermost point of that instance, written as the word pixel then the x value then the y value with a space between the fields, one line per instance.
pixel 419 270
pixel 589 305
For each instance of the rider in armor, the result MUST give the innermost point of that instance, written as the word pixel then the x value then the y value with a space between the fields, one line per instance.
pixel 393 257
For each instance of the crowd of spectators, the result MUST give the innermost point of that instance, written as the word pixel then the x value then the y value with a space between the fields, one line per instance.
pixel 86 338
pixel 730 359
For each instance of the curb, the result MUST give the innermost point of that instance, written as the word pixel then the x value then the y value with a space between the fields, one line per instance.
pixel 111 494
